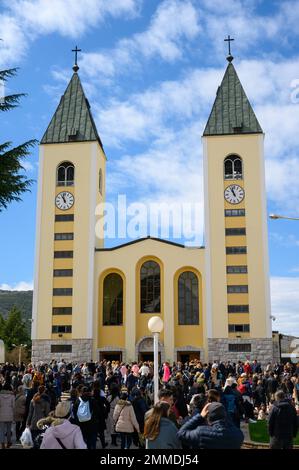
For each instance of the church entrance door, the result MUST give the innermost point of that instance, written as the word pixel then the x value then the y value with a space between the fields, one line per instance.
pixel 145 351
pixel 187 356
pixel 148 356
pixel 111 356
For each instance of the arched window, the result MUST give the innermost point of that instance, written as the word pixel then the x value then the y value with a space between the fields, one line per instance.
pixel 188 299
pixel 150 288
pixel 65 174
pixel 113 300
pixel 233 168
pixel 100 181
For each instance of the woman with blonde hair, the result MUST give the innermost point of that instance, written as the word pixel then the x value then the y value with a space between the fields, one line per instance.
pixel 159 431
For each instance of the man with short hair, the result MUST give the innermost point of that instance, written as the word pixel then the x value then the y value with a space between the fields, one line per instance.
pixel 164 395
pixel 283 423
pixel 211 429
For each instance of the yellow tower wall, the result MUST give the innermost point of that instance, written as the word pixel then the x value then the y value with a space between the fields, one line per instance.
pixel 88 158
pixel 250 149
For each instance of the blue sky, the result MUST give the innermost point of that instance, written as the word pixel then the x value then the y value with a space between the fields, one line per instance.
pixel 150 70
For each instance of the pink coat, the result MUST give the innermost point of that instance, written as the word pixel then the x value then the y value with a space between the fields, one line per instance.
pixel 166 373
pixel 69 434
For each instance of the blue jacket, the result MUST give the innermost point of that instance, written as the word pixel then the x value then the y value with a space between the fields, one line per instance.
pixel 222 434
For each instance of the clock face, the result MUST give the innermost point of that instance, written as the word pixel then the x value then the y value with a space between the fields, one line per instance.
pixel 64 200
pixel 234 194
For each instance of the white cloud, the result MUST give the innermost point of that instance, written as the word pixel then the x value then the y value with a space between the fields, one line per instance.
pixel 158 114
pixel 22 21
pixel 282 177
pixel 67 17
pixel 247 26
pixel 14 45
pixel 285 304
pixel 20 286
pixel 173 21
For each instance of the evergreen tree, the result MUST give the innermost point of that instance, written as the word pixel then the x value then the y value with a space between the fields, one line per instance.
pixel 14 329
pixel 12 182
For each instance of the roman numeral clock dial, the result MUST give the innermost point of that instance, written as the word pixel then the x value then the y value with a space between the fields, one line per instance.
pixel 64 200
pixel 234 194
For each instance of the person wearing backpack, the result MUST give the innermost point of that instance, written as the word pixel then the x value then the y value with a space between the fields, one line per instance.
pixel 86 416
pixel 229 401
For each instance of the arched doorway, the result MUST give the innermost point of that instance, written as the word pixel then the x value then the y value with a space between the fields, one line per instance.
pixel 145 350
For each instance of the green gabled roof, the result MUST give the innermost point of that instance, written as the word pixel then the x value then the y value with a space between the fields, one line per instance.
pixel 232 113
pixel 72 120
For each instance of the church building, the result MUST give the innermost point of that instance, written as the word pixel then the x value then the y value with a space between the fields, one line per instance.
pixel 92 302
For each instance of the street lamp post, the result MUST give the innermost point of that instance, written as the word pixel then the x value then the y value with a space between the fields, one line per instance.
pixel 276 216
pixel 155 325
pixel 20 350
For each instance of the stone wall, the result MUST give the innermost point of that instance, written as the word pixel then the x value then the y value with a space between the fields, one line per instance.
pixel 81 350
pixel 261 349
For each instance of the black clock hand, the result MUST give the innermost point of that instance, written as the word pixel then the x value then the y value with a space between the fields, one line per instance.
pixel 63 198
pixel 233 192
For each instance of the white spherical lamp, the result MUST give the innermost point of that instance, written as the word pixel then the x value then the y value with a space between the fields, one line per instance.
pixel 155 325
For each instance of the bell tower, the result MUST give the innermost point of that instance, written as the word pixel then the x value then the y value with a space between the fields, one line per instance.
pixel 71 183
pixel 237 276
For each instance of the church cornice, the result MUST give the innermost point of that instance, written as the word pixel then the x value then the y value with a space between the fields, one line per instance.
pixel 139 240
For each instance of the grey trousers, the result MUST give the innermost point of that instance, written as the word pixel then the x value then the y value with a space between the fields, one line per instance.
pixel 278 443
pixel 5 428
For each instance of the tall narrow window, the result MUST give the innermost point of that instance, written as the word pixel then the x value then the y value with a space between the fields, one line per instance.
pixel 150 288
pixel 188 299
pixel 113 300
pixel 101 181
pixel 65 174
pixel 233 169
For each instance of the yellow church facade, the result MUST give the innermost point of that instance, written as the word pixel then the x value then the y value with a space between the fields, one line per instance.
pixel 92 302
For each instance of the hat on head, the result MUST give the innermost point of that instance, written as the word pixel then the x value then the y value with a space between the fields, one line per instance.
pixel 63 409
pixel 216 411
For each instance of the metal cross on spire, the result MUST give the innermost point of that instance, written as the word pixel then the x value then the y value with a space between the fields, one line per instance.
pixel 75 67
pixel 229 40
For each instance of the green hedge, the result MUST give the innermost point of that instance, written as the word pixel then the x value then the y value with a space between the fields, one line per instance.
pixel 259 432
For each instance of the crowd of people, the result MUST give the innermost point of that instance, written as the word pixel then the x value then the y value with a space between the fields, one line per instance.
pixel 67 405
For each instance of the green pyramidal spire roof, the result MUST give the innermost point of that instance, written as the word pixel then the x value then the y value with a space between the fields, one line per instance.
pixel 232 113
pixel 72 120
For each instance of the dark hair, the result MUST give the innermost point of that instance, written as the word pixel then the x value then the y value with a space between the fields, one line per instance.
pixel 213 395
pixel 124 395
pixel 165 393
pixel 114 391
pixel 199 400
pixel 279 395
pixel 41 389
pixel 136 393
pixel 7 386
